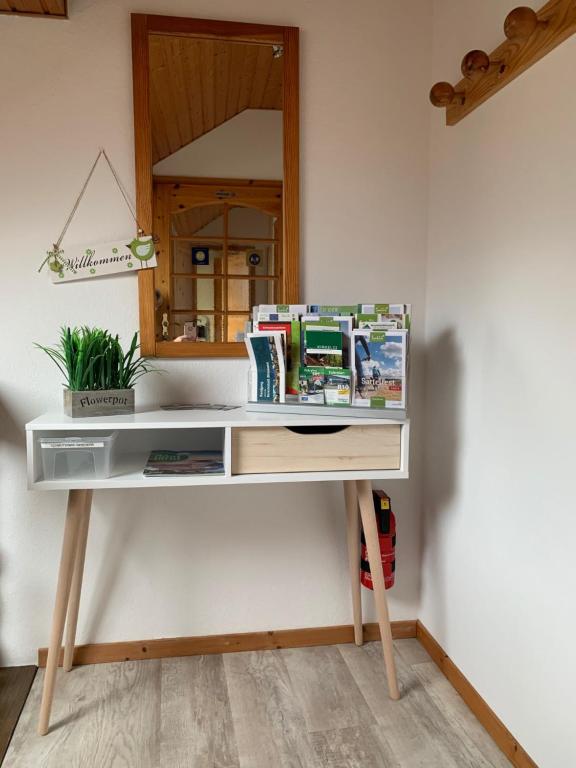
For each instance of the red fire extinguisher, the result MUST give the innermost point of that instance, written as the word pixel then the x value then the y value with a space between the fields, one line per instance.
pixel 386 524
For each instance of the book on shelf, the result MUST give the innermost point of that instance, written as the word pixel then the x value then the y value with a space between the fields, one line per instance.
pixel 164 462
pixel 380 368
pixel 266 350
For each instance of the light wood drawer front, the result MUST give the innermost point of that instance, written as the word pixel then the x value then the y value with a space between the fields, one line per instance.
pixel 278 449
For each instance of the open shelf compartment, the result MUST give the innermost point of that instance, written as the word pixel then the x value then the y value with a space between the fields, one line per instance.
pixel 130 452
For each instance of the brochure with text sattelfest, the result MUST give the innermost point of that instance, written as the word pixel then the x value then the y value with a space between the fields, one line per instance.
pixel 380 368
pixel 267 368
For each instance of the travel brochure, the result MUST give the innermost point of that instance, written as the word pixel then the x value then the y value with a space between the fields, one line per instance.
pixel 380 366
pixel 267 366
pixel 330 354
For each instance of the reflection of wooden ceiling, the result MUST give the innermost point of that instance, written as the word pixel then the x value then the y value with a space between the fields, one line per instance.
pixel 56 8
pixel 196 85
pixel 189 222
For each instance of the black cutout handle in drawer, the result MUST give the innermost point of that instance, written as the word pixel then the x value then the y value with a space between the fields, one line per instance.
pixel 319 430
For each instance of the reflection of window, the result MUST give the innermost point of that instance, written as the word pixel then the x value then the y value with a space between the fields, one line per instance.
pixel 216 261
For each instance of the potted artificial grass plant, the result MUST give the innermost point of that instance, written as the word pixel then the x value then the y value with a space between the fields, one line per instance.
pixel 99 375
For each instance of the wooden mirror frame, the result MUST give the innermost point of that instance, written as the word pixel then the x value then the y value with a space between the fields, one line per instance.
pixel 144 25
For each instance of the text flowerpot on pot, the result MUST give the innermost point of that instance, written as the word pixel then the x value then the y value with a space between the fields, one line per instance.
pixel 104 402
pixel 99 375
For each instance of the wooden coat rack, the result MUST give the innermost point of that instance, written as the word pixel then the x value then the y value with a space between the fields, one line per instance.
pixel 530 35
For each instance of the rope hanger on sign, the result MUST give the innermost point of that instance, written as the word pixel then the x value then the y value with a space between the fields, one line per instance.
pixel 55 257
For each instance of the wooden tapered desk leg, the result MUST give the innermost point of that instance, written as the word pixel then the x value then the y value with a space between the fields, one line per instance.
pixel 353 531
pixel 69 546
pixel 374 558
pixel 76 587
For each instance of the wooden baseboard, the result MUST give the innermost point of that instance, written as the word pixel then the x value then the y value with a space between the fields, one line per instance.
pixel 495 727
pixel 100 653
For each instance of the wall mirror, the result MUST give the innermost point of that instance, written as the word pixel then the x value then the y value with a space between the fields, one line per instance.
pixel 216 141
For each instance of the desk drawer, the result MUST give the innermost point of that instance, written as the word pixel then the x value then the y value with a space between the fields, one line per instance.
pixel 280 449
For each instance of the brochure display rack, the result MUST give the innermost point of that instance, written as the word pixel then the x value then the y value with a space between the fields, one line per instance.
pixel 329 357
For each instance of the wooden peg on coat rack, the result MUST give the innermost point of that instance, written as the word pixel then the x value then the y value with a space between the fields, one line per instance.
pixel 521 23
pixel 443 94
pixel 479 62
pixel 530 35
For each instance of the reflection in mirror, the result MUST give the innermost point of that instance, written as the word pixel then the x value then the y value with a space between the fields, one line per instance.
pixel 217 133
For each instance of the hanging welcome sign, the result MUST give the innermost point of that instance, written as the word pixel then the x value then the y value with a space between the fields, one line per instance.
pixel 87 261
pixel 80 262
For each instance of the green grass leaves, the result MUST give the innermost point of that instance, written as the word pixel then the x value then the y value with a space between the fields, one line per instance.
pixel 93 359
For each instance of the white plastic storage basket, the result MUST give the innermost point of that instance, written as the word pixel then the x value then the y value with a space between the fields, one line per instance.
pixel 88 456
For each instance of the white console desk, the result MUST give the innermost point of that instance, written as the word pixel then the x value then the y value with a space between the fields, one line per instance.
pixel 257 448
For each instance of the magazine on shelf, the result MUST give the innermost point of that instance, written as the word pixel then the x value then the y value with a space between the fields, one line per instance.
pixel 198 407
pixel 267 367
pixel 380 359
pixel 162 462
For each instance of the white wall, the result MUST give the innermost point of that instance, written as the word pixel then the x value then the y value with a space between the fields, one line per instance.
pixel 248 146
pixel 167 563
pixel 499 577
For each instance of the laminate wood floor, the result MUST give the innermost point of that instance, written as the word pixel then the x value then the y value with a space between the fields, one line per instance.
pixel 15 685
pixel 323 707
